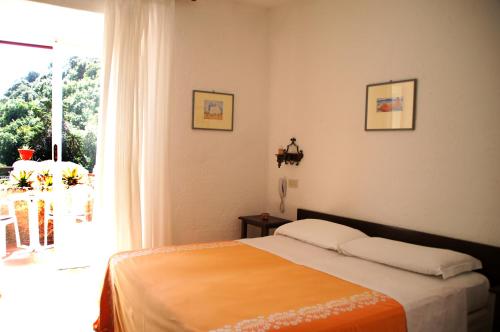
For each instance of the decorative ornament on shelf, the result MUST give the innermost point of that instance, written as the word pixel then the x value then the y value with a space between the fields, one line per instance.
pixel 292 155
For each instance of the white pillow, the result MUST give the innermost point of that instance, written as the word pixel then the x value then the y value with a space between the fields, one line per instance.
pixel 411 257
pixel 321 233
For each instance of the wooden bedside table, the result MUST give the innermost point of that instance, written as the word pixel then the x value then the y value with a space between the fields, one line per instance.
pixel 265 225
pixel 496 311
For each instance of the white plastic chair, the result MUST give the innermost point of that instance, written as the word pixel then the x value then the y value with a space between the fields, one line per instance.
pixel 25 165
pixel 75 203
pixel 65 165
pixel 48 214
pixel 7 219
pixel 45 165
pixel 71 165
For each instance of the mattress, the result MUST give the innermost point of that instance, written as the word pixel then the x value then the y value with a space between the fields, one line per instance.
pixel 278 282
pixel 467 292
pixel 233 287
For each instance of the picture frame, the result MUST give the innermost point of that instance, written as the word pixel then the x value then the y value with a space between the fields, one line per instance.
pixel 391 105
pixel 213 110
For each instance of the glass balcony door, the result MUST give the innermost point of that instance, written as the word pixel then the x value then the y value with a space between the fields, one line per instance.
pixel 53 113
pixel 49 96
pixel 30 134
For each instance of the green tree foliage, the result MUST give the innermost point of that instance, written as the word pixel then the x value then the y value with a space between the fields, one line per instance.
pixel 25 114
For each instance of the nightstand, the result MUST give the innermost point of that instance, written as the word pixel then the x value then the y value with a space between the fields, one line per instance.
pixel 496 318
pixel 264 225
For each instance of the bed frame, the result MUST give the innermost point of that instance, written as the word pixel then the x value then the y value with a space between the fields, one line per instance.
pixel 488 255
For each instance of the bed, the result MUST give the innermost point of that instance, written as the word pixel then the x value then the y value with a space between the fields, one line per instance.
pixel 287 284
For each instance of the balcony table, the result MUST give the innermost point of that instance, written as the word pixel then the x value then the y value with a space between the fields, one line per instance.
pixel 31 197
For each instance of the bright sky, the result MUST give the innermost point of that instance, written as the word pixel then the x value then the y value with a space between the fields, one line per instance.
pixel 16 62
pixel 77 32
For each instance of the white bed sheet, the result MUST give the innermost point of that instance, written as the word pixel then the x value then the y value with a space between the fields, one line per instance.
pixel 430 303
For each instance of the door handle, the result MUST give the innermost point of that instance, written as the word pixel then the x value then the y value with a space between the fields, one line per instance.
pixel 54 157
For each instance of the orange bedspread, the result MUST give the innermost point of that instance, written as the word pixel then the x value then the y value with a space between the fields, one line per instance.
pixel 230 286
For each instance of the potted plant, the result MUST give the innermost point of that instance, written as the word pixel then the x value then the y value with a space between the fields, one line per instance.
pixel 23 180
pixel 25 152
pixel 71 177
pixel 45 180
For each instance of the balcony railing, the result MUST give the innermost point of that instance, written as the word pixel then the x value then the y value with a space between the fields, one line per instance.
pixel 76 203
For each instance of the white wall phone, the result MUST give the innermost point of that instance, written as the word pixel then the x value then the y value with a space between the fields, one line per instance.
pixel 282 190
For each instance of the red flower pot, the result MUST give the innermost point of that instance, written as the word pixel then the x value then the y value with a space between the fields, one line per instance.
pixel 26 154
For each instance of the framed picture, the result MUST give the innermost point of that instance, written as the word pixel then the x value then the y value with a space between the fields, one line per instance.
pixel 213 110
pixel 391 105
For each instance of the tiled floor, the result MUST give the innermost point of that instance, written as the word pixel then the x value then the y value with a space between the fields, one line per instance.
pixel 36 295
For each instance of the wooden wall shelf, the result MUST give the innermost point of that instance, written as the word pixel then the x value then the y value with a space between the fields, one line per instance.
pixel 292 155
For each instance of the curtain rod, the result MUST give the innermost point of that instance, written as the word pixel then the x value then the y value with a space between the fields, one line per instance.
pixel 25 44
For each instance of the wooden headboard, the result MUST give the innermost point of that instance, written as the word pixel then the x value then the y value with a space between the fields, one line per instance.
pixel 488 255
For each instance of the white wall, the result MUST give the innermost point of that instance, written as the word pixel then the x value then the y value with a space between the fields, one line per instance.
pixel 220 45
pixel 217 176
pixel 444 177
pixel 312 59
pixel 90 5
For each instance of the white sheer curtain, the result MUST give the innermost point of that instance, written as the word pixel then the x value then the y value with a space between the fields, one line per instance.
pixel 132 200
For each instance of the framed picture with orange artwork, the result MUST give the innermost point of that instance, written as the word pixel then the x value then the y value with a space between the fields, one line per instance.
pixel 213 110
pixel 391 105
